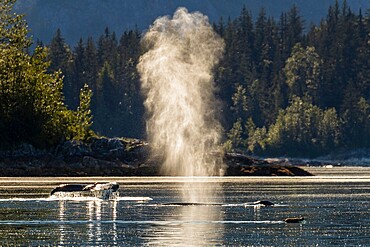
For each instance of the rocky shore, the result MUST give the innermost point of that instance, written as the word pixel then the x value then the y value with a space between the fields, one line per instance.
pixel 118 157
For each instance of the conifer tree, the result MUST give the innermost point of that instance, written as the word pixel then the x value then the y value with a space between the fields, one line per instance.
pixel 90 69
pixel 77 75
pixel 270 68
pixel 60 57
pixel 32 105
pixel 303 73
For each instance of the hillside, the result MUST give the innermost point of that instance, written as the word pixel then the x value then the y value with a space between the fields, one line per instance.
pixel 285 91
pixel 85 18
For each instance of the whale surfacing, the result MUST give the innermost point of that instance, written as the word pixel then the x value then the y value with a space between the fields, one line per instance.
pixel 264 203
pixel 100 190
pixel 294 220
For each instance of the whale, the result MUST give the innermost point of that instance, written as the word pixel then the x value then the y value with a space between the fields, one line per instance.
pixel 294 220
pixel 113 186
pixel 264 203
pixel 102 190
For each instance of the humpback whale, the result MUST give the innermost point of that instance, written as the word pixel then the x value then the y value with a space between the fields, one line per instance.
pixel 294 220
pixel 102 190
pixel 264 203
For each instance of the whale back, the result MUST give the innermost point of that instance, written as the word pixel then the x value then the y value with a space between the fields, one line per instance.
pixel 85 187
pixel 68 188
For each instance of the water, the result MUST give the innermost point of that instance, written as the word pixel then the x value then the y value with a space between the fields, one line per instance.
pixel 336 210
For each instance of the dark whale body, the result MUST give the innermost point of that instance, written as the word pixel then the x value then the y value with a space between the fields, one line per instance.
pixel 264 203
pixel 68 188
pixel 294 220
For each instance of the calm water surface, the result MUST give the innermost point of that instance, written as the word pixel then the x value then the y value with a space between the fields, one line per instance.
pixel 337 213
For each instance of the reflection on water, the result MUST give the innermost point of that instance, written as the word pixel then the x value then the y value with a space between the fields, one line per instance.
pixel 200 232
pixel 61 227
pixel 256 213
pixel 220 214
pixel 190 224
pixel 94 215
pixel 114 224
pixel 96 220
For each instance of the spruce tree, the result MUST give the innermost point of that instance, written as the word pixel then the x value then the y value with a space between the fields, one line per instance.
pixel 60 57
pixel 32 105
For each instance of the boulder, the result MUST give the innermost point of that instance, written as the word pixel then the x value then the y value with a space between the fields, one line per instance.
pixel 103 146
pixel 122 157
pixel 243 165
pixel 73 148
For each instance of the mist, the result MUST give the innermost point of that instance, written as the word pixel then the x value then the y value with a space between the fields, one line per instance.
pixel 177 81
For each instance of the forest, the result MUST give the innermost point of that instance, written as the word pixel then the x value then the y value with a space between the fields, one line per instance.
pixel 32 108
pixel 286 89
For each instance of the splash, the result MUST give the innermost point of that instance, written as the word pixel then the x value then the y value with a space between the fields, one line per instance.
pixel 176 75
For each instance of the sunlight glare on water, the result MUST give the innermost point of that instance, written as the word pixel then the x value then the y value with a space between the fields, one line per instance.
pixel 336 213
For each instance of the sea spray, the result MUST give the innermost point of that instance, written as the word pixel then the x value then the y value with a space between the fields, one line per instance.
pixel 176 76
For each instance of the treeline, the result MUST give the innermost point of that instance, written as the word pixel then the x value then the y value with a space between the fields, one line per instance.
pixel 293 92
pixel 285 90
pixel 32 108
pixel 109 68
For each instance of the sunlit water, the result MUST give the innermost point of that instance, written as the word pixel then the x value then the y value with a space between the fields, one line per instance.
pixel 336 211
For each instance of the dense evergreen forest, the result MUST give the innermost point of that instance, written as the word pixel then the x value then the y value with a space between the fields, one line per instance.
pixel 32 108
pixel 285 89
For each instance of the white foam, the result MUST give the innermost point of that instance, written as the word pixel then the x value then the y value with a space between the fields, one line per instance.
pixel 135 198
pixel 74 198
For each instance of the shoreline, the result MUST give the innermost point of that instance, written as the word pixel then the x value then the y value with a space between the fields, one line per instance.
pixel 316 171
pixel 120 157
pixel 123 157
pixel 354 171
pixel 339 177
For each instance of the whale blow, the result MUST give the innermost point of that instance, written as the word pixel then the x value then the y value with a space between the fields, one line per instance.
pixel 176 76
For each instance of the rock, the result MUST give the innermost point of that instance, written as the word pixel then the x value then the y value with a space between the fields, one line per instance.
pixel 88 162
pixel 73 148
pixel 243 165
pixel 25 150
pixel 117 153
pixel 141 150
pixel 121 157
pixel 103 146
pixel 236 158
pixel 273 170
pixel 147 170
